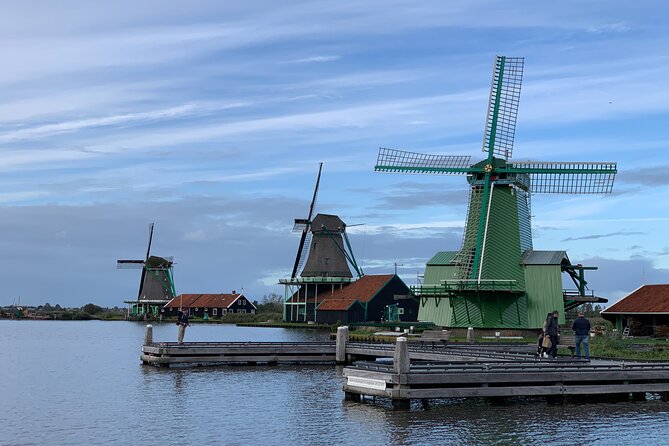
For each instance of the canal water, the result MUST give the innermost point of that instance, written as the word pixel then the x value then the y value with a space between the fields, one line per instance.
pixel 82 383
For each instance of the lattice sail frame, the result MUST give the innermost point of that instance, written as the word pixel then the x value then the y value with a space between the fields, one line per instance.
pixel 567 177
pixel 500 128
pixel 392 160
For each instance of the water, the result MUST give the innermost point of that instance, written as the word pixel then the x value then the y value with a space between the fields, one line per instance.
pixel 82 383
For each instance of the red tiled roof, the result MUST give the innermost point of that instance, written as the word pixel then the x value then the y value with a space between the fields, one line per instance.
pixel 647 299
pixel 204 300
pixel 183 300
pixel 362 289
pixel 336 304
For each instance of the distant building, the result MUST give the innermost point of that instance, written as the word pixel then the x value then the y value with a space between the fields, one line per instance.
pixel 208 306
pixel 645 311
pixel 370 298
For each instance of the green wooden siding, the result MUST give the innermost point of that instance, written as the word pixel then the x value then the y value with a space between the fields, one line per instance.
pixel 437 311
pixel 489 311
pixel 544 293
pixel 502 255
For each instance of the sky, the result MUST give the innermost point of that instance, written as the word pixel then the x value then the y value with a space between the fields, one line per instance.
pixel 209 118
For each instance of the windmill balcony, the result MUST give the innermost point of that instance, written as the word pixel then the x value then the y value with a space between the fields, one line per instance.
pixel 453 287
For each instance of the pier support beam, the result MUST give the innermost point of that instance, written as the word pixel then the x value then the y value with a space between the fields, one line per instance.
pixel 340 349
pixel 401 367
pixel 148 336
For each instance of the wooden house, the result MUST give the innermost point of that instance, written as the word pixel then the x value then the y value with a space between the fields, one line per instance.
pixel 210 306
pixel 370 298
pixel 645 311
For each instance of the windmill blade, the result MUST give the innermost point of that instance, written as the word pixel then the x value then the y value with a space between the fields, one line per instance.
pixel 129 264
pixel 391 160
pixel 148 254
pixel 500 127
pixel 567 177
pixel 298 257
pixel 305 252
pixel 148 249
pixel 304 225
pixel 313 199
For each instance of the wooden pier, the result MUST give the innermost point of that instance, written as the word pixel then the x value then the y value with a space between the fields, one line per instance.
pixel 423 373
pixel 403 381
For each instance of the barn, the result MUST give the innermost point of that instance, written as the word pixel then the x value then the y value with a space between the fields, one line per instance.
pixel 370 298
pixel 644 312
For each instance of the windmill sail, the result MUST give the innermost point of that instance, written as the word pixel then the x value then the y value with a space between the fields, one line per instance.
pixel 305 225
pixel 391 160
pixel 500 127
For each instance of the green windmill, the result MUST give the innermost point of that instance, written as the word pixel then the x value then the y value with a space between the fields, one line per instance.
pixel 497 279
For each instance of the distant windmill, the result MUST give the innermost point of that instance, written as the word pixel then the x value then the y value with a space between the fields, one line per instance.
pixel 324 249
pixel 322 261
pixel 497 231
pixel 156 285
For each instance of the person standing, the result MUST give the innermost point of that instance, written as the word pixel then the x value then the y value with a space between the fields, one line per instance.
pixel 581 329
pixel 552 326
pixel 182 322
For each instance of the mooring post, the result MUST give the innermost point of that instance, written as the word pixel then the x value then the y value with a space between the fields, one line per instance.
pixel 148 336
pixel 340 349
pixel 470 335
pixel 401 367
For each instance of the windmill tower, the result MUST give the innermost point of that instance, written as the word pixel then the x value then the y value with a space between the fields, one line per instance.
pixel 321 264
pixel 488 282
pixel 156 285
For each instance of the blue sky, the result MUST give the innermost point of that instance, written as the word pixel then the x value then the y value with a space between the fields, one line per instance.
pixel 210 119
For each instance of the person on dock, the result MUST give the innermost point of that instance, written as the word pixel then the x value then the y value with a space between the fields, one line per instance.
pixel 552 327
pixel 545 341
pixel 581 329
pixel 182 322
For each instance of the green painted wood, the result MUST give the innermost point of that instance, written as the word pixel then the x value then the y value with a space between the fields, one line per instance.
pixel 544 293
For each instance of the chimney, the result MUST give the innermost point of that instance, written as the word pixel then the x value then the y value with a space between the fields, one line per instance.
pixel 234 292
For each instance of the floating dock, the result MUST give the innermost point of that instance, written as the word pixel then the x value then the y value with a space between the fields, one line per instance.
pixel 424 373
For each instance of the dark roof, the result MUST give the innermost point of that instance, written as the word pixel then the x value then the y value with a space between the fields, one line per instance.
pixel 532 257
pixel 443 258
pixel 205 300
pixel 646 299
pixel 327 222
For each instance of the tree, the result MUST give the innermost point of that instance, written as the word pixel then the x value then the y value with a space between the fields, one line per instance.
pixel 91 309
pixel 271 303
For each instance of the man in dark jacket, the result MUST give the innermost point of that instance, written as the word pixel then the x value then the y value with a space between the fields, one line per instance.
pixel 552 326
pixel 182 322
pixel 581 329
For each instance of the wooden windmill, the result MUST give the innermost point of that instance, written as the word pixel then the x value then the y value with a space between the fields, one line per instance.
pixel 156 285
pixel 487 283
pixel 322 262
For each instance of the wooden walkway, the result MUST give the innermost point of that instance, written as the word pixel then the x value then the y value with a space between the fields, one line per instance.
pixel 412 372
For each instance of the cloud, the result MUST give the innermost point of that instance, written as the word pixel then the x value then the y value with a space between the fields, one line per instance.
pixel 323 58
pixel 598 236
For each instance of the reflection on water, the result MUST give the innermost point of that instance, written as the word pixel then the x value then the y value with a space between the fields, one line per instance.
pixel 81 383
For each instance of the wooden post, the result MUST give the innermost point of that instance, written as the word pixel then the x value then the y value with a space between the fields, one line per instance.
pixel 340 349
pixel 148 336
pixel 401 361
pixel 401 366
